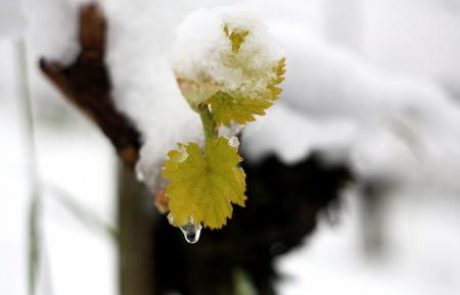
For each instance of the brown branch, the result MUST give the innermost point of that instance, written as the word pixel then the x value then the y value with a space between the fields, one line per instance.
pixel 86 84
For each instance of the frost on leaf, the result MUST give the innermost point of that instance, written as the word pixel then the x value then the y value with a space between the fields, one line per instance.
pixel 204 184
pixel 227 51
pixel 235 107
pixel 228 108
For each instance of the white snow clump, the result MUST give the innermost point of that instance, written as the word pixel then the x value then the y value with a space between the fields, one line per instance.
pixel 223 49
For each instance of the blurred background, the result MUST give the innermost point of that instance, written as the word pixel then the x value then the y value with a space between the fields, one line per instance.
pixel 371 84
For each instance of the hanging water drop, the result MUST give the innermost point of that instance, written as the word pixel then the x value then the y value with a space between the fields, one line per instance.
pixel 191 232
pixel 234 142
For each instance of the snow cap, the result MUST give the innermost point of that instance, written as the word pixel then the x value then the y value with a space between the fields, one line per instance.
pixel 223 49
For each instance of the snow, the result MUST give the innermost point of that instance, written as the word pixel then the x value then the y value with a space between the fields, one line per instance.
pixel 413 120
pixel 78 160
pixel 52 28
pixel 159 111
pixel 12 20
pixel 202 53
pixel 421 251
pixel 425 43
pixel 13 195
pixel 77 253
pixel 152 99
pixel 270 135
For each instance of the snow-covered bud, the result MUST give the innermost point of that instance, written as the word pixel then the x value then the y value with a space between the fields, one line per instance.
pixel 226 51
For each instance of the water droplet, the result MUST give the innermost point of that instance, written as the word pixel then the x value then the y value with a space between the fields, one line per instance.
pixel 234 142
pixel 170 219
pixel 191 232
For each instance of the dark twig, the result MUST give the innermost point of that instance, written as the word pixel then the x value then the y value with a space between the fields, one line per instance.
pixel 86 84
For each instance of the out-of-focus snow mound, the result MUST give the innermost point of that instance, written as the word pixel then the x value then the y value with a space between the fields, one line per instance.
pixel 402 125
pixel 417 37
pixel 52 28
pixel 391 119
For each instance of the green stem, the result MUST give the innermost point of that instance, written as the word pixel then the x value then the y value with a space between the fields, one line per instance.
pixel 209 126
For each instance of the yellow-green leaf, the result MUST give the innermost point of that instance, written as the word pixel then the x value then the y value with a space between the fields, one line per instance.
pixel 234 107
pixel 236 37
pixel 204 184
pixel 273 87
pixel 228 108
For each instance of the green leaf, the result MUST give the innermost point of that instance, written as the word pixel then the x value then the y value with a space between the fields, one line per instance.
pixel 273 88
pixel 203 185
pixel 236 37
pixel 234 107
pixel 227 108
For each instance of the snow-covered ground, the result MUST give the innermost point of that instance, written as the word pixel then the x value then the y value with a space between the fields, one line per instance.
pixel 420 255
pixel 75 159
pixel 80 163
